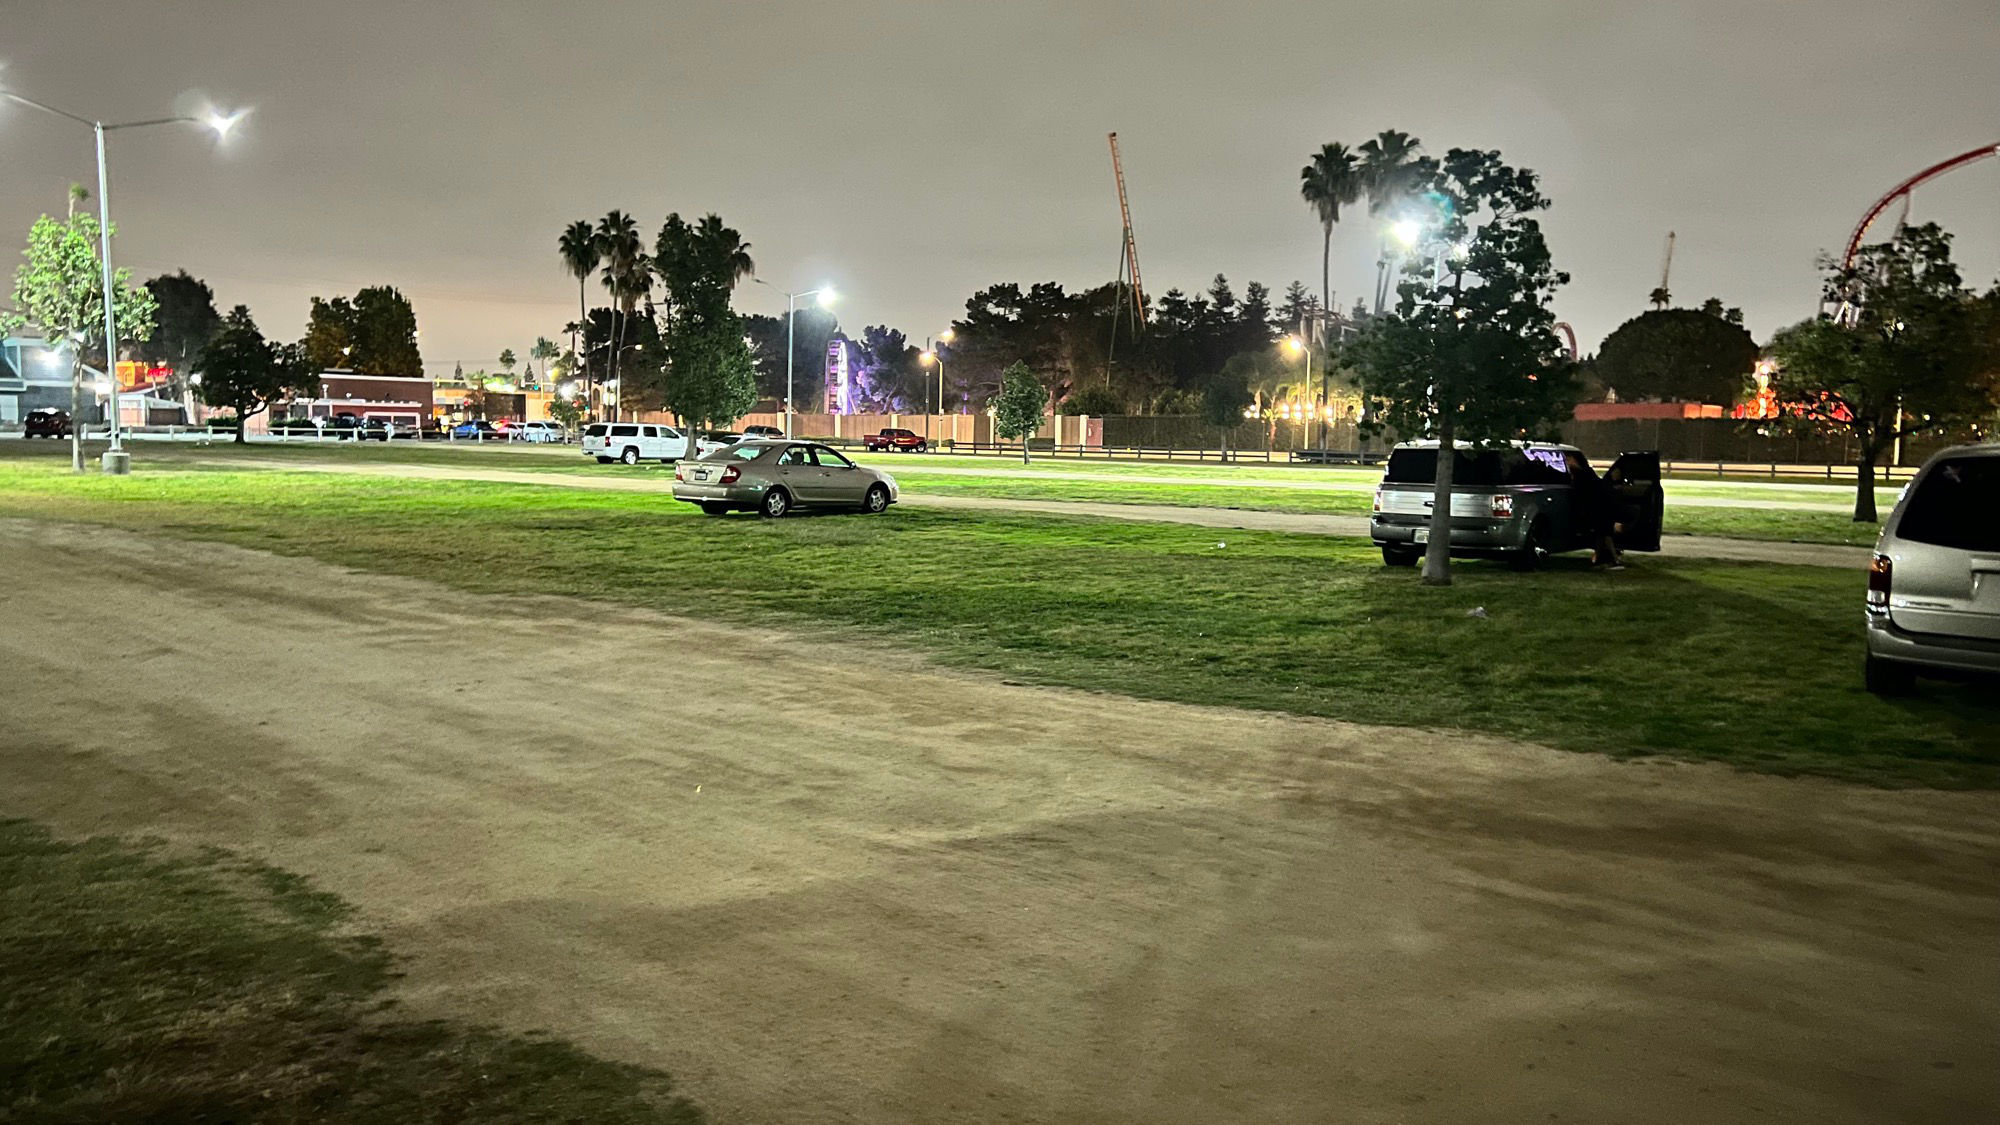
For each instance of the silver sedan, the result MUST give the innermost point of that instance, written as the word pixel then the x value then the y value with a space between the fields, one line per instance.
pixel 774 477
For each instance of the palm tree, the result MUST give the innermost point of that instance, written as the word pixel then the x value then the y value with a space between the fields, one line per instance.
pixel 578 246
pixel 544 352
pixel 1388 167
pixel 728 255
pixel 1330 182
pixel 626 276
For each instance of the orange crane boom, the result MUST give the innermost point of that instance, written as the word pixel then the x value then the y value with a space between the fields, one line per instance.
pixel 1131 245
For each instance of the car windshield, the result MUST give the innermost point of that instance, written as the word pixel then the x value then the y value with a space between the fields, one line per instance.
pixel 1954 505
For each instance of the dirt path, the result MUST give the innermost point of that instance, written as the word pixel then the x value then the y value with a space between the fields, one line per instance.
pixel 823 884
pixel 1673 546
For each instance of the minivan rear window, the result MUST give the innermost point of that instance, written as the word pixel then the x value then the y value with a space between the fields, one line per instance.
pixel 1474 468
pixel 1956 505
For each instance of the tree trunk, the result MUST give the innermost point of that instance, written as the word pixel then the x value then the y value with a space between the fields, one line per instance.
pixel 76 414
pixel 1325 279
pixel 1864 486
pixel 1437 554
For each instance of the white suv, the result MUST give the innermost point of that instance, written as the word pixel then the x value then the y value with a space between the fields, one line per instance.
pixel 1934 583
pixel 633 442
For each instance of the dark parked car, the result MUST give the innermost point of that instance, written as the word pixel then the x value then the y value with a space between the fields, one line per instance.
pixel 46 422
pixel 1521 502
pixel 374 429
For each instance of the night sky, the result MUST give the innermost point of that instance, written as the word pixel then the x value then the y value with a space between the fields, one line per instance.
pixel 910 154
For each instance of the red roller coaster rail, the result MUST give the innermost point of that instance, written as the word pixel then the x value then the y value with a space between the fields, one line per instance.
pixel 1902 191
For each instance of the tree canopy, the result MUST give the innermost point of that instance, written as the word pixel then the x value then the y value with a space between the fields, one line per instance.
pixel 374 333
pixel 242 370
pixel 1677 355
pixel 1017 410
pixel 1913 354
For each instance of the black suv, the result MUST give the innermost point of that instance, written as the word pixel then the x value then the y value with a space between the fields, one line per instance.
pixel 47 422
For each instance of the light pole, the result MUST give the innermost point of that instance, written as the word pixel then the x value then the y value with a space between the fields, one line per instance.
pixel 1299 347
pixel 115 459
pixel 825 294
pixel 935 355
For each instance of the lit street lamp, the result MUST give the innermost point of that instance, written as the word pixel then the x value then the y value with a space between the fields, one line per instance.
pixel 1298 347
pixel 115 459
pixel 826 295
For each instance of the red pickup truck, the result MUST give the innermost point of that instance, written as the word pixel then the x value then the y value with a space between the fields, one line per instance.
pixel 894 441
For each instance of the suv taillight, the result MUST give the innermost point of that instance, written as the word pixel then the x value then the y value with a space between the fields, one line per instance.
pixel 1378 499
pixel 1880 569
pixel 1502 506
pixel 731 475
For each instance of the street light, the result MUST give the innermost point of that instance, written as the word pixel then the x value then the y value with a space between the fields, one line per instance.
pixel 826 297
pixel 1298 347
pixel 930 357
pixel 116 460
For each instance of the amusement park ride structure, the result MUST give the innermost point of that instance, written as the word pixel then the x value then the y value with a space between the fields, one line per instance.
pixel 1844 309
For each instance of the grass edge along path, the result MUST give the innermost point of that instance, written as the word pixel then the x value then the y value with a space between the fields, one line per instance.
pixel 145 982
pixel 1756 665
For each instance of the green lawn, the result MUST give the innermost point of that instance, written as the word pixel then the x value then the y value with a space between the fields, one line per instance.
pixel 140 983
pixel 1754 664
pixel 1217 486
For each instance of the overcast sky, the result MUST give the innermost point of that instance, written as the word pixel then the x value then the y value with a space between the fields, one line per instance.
pixel 913 153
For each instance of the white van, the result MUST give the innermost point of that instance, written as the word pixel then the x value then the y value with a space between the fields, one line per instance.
pixel 633 442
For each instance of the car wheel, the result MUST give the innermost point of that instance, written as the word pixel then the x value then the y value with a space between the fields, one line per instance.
pixel 877 500
pixel 1534 550
pixel 715 509
pixel 1399 556
pixel 630 456
pixel 1887 677
pixel 776 503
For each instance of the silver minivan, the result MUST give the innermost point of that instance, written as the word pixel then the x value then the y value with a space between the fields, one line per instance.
pixel 1934 584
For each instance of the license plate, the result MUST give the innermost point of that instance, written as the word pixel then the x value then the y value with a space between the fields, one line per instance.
pixel 1423 535
pixel 701 476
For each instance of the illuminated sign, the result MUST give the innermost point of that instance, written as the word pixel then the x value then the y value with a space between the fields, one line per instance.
pixel 836 377
pixel 132 375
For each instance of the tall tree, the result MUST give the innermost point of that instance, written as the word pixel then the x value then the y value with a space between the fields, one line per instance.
pixel 1017 409
pixel 1470 351
pixel 544 352
pixel 1677 355
pixel 508 361
pixel 59 290
pixel 626 279
pixel 385 334
pixel 184 322
pixel 580 258
pixel 242 370
pixel 330 331
pixel 1911 359
pixel 1390 170
pixel 1330 181
pixel 702 367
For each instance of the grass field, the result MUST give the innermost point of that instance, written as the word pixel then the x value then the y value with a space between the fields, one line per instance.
pixel 1311 490
pixel 138 983
pixel 1752 664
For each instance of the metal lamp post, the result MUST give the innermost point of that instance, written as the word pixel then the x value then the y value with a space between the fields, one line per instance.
pixel 825 294
pixel 116 460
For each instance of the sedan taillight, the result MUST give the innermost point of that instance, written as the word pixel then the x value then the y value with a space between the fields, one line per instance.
pixel 731 475
pixel 1880 570
pixel 680 470
pixel 1502 506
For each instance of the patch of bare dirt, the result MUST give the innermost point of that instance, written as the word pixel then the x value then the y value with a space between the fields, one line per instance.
pixel 836 884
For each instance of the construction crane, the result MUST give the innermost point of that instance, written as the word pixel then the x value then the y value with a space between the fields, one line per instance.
pixel 1128 251
pixel 1662 297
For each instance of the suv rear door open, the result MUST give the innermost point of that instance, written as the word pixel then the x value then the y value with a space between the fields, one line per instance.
pixel 1634 481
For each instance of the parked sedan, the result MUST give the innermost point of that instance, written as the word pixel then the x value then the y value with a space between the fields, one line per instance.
pixel 709 442
pixel 774 477
pixel 478 429
pixel 46 422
